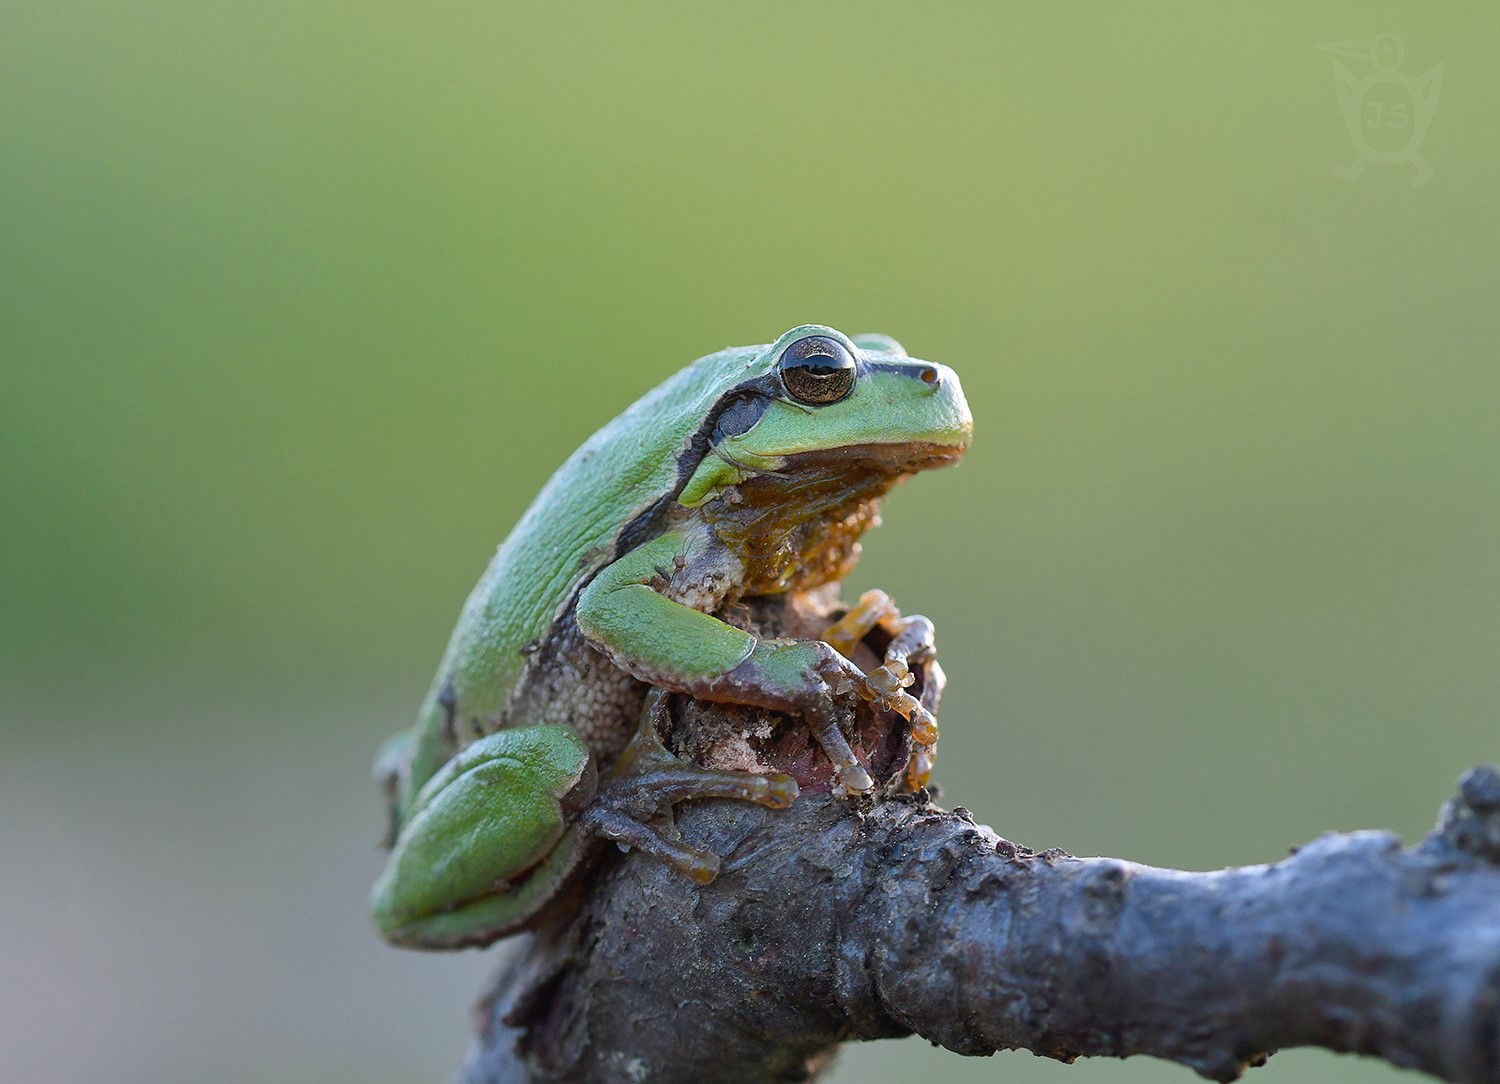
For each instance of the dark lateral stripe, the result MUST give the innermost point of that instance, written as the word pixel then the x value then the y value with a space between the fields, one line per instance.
pixel 763 389
pixel 755 394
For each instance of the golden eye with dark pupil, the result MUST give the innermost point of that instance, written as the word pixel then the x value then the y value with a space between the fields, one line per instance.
pixel 818 370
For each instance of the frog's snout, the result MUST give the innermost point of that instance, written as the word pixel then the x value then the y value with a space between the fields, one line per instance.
pixel 950 410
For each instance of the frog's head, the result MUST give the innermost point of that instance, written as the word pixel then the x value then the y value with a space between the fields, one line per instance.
pixel 816 400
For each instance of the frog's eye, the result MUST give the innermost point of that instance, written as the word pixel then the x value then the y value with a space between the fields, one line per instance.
pixel 817 370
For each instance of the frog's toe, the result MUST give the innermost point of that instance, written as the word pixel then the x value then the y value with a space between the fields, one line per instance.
pixel 884 684
pixel 852 776
pixel 924 729
pixel 856 779
pixel 651 789
pixel 914 640
pixel 873 608
pixel 919 768
pixel 780 790
pixel 699 865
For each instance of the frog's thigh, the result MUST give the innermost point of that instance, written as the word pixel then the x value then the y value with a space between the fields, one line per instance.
pixel 485 843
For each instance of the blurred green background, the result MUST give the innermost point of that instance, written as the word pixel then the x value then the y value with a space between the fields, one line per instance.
pixel 302 303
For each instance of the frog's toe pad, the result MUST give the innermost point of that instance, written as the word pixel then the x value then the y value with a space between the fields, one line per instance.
pixel 856 779
pixel 778 790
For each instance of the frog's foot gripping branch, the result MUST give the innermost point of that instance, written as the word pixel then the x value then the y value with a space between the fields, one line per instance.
pixel 912 644
pixel 637 794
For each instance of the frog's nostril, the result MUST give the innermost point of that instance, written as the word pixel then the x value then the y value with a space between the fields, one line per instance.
pixel 929 375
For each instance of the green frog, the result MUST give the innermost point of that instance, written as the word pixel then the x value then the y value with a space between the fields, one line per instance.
pixel 751 472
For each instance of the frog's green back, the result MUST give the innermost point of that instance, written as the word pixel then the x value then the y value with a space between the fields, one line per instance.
pixel 569 533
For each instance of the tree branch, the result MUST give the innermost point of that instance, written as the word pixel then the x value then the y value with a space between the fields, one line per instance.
pixel 833 923
pixel 881 917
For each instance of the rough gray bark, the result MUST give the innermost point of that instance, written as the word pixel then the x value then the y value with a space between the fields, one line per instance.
pixel 835 922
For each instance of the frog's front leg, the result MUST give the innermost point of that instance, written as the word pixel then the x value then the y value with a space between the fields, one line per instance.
pixel 666 643
pixel 487 841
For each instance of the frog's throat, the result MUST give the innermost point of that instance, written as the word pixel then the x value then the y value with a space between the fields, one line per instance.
pixel 800 528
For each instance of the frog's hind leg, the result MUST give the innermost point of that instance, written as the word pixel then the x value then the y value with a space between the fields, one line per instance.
pixel 394 753
pixel 648 779
pixel 486 843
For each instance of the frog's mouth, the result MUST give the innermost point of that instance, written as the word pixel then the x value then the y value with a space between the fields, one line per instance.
pixel 873 458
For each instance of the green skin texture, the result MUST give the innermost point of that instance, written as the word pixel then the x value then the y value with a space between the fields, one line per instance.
pixel 486 834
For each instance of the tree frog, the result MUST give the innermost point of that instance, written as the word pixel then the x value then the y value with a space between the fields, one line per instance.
pixel 751 472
